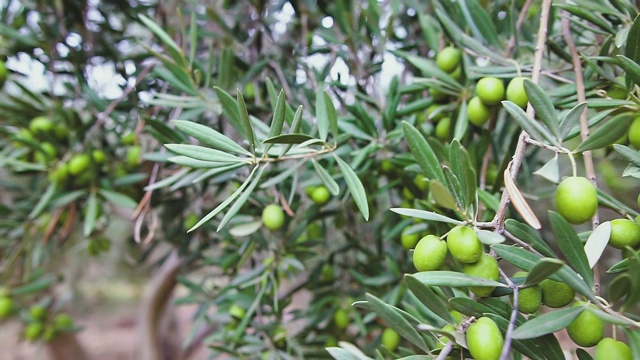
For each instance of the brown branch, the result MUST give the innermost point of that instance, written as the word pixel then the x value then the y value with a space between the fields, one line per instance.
pixel 518 155
pixel 521 17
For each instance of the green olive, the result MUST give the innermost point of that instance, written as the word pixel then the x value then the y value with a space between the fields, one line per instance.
pixel 273 217
pixel 430 253
pixel 484 339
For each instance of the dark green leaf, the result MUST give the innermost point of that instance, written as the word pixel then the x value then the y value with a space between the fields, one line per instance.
pixel 209 136
pixel 326 178
pixel 90 215
pixel 243 115
pixel 454 279
pixel 571 119
pixel 544 268
pixel 423 153
pixel 632 156
pixel 202 153
pixel 394 319
pixel 278 116
pixel 571 246
pixel 288 139
pixel 547 323
pixel 531 126
pixel 426 215
pixel 543 106
pixel 43 201
pixel 355 187
pixel 230 108
pixel 632 48
pixel 428 298
pixel 608 133
pixel 463 169
pixel 322 117
pixel 630 67
pixel 530 236
pixel 242 199
pixel 118 199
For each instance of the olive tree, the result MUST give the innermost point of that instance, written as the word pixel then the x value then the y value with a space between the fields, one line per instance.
pixel 350 179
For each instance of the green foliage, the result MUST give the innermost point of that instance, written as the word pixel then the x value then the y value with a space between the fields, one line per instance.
pixel 236 140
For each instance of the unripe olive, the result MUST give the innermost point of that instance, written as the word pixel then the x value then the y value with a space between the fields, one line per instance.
pixel 490 90
pixel 33 331
pixel 6 307
pixel 609 348
pixel 463 244
pixel 477 112
pixel 624 232
pixel 516 93
pixel 556 294
pixel 273 217
pixel 486 267
pixel 576 199
pixel 448 58
pixel 430 253
pixel 390 339
pixel 320 195
pixel 484 339
pixel 587 329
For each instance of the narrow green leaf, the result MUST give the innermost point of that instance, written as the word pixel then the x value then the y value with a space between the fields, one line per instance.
pixel 326 178
pixel 33 287
pixel 426 215
pixel 530 236
pixel 463 169
pixel 631 155
pixel 455 188
pixel 571 120
pixel 544 268
pixel 590 16
pixel 543 106
pixel 531 126
pixel 243 115
pixel 331 114
pixel 209 136
pixel 571 247
pixel 630 67
pixel 442 196
pixel 429 68
pixel 597 243
pixel 608 133
pixel 632 48
pixel 118 199
pixel 482 23
pixel 193 37
pixel 428 298
pixel 246 229
pixel 489 237
pixel 242 199
pixel 288 139
pixel 395 320
pixel 547 323
pixel 454 279
pixel 173 48
pixel 322 118
pixel 90 214
pixel 199 164
pixel 355 187
pixel 278 116
pixel 340 354
pixel 202 153
pixel 423 153
pixel 230 108
pixel 462 122
pixel 226 202
pixel 44 200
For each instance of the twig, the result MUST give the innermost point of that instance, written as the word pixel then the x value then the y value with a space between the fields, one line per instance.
pixel 522 140
pixel 523 15
pixel 512 321
pixel 584 127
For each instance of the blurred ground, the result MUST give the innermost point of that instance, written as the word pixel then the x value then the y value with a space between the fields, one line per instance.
pixel 109 330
